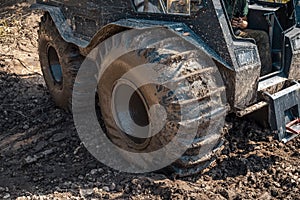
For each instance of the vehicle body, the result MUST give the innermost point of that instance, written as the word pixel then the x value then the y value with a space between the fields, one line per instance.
pixel 204 24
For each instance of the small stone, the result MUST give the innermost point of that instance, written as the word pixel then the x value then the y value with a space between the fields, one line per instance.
pixel 59 137
pixel 41 145
pixel 274 193
pixel 48 152
pixel 265 196
pixel 139 187
pixel 106 189
pixel 30 159
pixel 269 138
pixel 6 196
pixel 127 189
pixel 35 179
pixel 76 150
pixel 277 184
pixel 281 145
pixel 86 192
pixel 293 181
pixel 257 148
pixel 25 127
pixel 119 188
pixel 93 171
pixel 207 178
pixel 112 187
pixel 21 198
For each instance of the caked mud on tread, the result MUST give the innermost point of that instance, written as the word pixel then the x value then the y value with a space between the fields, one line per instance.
pixel 192 72
pixel 69 57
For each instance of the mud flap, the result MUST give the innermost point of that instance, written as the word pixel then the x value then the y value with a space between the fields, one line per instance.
pixel 284 110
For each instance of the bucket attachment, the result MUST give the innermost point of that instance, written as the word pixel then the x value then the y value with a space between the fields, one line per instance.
pixel 284 110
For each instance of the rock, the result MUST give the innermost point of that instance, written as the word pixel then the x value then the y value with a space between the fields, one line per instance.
pixel 6 196
pixel 274 193
pixel 112 187
pixel 207 178
pixel 47 152
pixel 106 189
pixel 265 196
pixel 58 137
pixel 41 145
pixel 281 145
pixel 30 159
pixel 139 186
pixel 119 188
pixel 86 192
pixel 277 184
pixel 93 171
pixel 26 127
pixel 21 198
pixel 257 148
pixel 76 150
pixel 2 189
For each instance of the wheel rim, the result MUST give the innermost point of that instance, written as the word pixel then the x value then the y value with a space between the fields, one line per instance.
pixel 55 66
pixel 128 117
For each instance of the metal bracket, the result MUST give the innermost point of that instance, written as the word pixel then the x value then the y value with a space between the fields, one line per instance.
pixel 279 104
pixel 294 126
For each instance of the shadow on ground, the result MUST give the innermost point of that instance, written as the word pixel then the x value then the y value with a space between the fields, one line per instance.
pixel 39 146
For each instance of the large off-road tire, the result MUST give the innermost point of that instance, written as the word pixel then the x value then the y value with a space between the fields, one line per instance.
pixel 59 61
pixel 194 74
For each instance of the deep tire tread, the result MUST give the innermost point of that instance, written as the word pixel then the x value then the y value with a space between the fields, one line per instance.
pixel 185 68
pixel 69 57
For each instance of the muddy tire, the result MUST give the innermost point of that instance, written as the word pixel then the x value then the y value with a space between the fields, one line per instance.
pixel 193 73
pixel 59 61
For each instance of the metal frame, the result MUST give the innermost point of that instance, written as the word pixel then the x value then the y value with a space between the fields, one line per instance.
pixel 279 103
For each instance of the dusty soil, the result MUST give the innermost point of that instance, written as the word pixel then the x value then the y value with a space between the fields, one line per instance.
pixel 41 156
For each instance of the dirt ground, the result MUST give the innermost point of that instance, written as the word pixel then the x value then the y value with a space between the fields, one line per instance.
pixel 41 156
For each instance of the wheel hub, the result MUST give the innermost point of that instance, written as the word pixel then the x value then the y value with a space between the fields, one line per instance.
pixel 55 66
pixel 130 111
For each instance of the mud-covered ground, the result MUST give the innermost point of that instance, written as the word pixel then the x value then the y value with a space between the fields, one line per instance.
pixel 41 156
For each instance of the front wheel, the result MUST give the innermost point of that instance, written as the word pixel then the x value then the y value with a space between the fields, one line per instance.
pixel 196 101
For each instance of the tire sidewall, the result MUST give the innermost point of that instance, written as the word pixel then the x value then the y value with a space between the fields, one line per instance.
pixel 105 88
